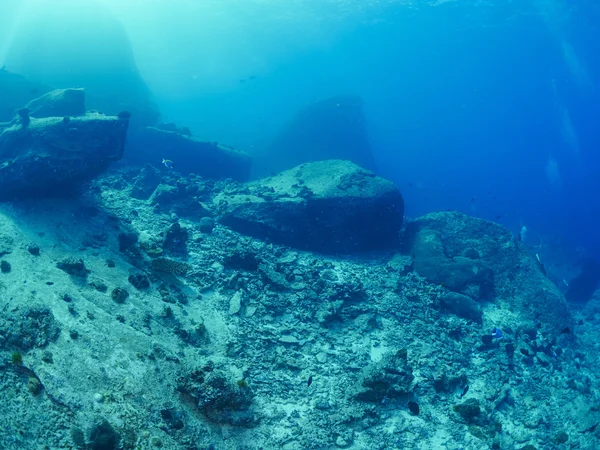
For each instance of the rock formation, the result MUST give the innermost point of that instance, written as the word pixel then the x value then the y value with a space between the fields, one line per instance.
pixel 326 206
pixel 51 155
pixel 189 154
pixel 481 261
pixel 58 103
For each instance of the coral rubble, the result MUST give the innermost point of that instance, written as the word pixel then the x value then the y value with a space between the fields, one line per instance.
pixel 137 324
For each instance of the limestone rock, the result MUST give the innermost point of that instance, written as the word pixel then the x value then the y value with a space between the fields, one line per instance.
pixel 58 103
pixel 217 397
pixel 145 183
pixel 391 377
pixel 462 306
pixel 235 303
pixel 459 273
pixel 25 328
pixel 73 266
pixel 189 154
pixel 165 195
pixel 53 155
pixel 327 206
pixel 206 225
pixel 466 254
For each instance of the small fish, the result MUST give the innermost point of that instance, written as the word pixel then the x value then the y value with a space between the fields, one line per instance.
pixel 497 333
pixel 309 382
pixel 464 391
pixel 553 353
pixel 168 163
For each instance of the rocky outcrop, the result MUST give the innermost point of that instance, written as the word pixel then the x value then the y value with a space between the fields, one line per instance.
pixel 189 154
pixel 217 397
pixel 462 305
pixel 463 273
pixel 483 261
pixel 51 156
pixel 327 206
pixel 333 128
pixel 391 377
pixel 58 103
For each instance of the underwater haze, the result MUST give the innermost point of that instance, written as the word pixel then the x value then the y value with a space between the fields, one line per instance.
pixel 299 224
pixel 486 107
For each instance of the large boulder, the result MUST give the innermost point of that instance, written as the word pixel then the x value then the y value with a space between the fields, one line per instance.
pixel 58 103
pixel 463 273
pixel 333 128
pixel 326 206
pixel 189 154
pixel 51 156
pixel 482 261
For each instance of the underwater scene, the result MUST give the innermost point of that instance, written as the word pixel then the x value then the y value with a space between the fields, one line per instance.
pixel 299 224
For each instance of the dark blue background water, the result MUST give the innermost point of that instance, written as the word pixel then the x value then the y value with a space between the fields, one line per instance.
pixel 477 108
pixel 491 108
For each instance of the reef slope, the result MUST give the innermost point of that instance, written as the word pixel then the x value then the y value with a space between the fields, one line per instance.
pixel 126 323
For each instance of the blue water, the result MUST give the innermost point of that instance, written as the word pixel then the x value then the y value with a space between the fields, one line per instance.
pixel 488 107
